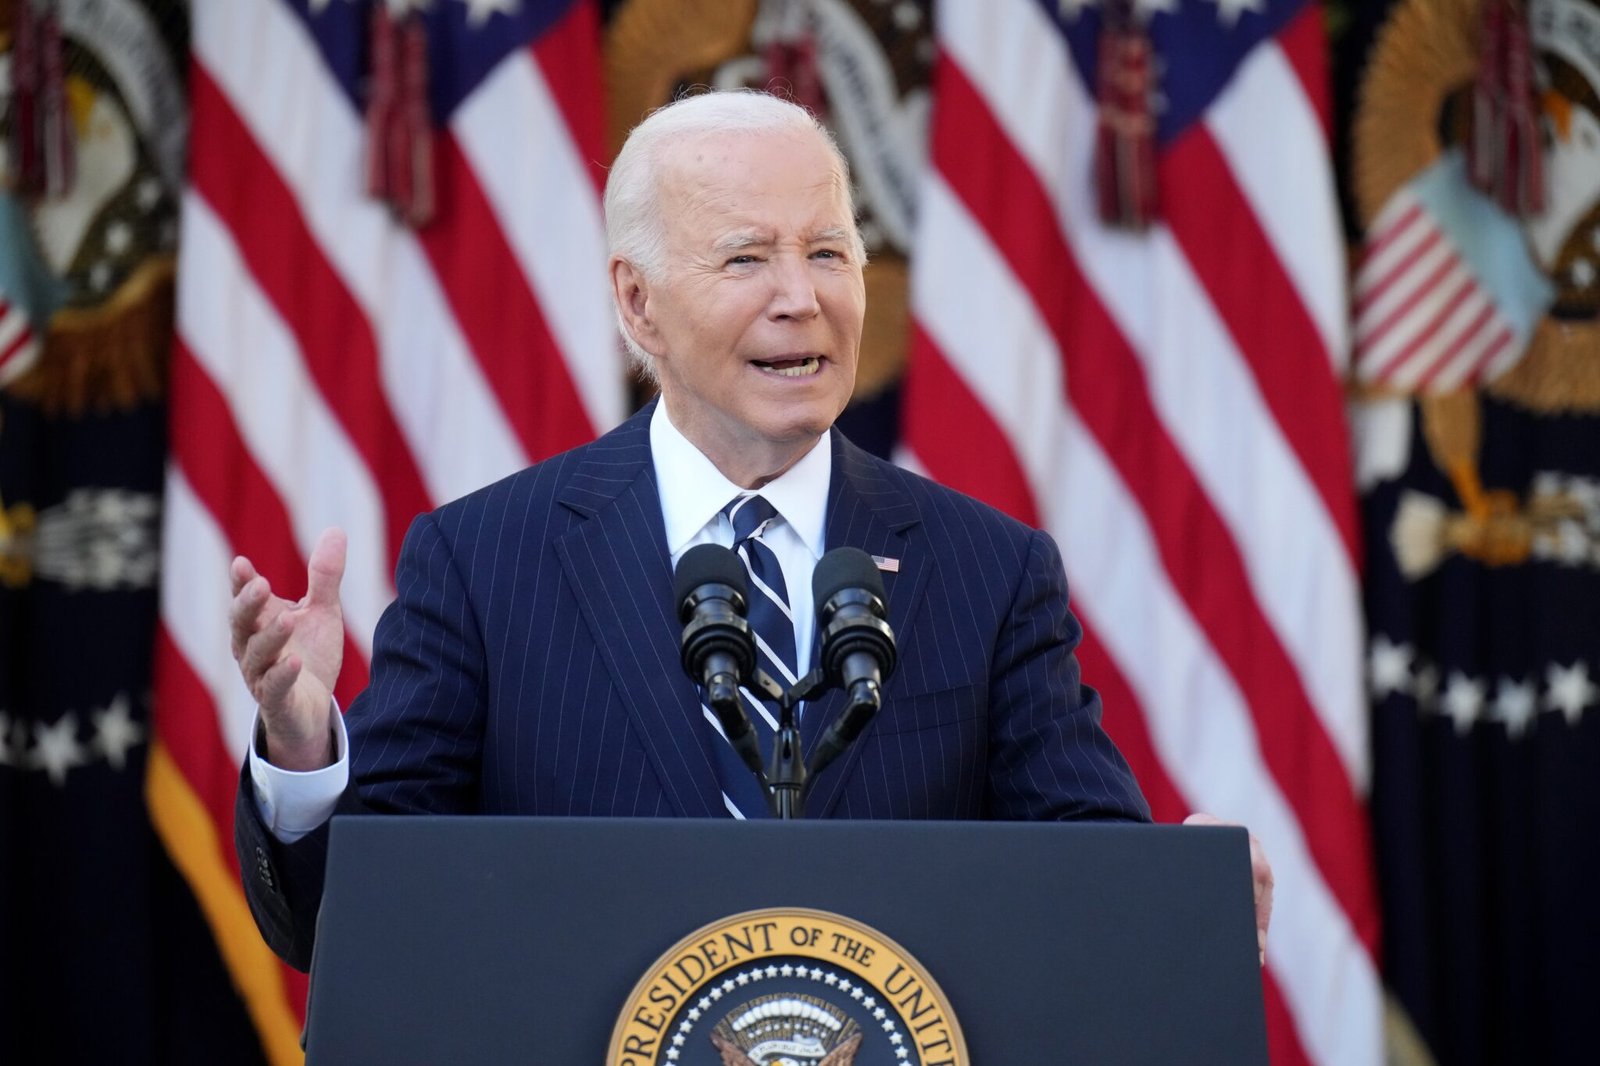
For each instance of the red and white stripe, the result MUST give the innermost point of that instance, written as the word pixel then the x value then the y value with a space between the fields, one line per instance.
pixel 19 348
pixel 1168 405
pixel 333 367
pixel 1424 323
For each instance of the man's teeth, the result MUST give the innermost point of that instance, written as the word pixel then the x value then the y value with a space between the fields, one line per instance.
pixel 804 368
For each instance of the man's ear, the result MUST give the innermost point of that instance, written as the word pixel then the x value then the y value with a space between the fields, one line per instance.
pixel 631 291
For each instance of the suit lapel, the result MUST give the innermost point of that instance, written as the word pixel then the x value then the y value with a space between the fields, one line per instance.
pixel 866 511
pixel 618 564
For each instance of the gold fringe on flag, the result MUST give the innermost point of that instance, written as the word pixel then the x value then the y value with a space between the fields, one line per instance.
pixel 192 842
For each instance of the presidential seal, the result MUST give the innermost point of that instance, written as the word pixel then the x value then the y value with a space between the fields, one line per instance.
pixel 786 987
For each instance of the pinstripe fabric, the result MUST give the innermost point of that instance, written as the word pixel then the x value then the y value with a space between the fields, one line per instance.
pixel 530 666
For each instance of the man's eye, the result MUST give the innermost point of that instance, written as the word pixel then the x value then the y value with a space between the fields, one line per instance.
pixel 741 260
pixel 827 253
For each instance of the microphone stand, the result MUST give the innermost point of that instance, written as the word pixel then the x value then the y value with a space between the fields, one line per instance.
pixel 788 776
pixel 786 779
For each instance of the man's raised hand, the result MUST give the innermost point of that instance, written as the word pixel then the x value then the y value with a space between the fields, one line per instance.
pixel 290 653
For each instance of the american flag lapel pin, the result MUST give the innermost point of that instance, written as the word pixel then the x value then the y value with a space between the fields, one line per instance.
pixel 887 565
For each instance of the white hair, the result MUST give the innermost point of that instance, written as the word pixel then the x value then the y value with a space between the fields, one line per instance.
pixel 634 230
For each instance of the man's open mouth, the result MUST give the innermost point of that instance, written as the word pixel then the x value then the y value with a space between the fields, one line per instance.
pixel 791 368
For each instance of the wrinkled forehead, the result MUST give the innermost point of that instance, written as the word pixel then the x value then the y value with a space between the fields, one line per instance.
pixel 753 170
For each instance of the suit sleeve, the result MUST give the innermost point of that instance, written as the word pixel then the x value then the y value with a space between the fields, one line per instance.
pixel 415 739
pixel 283 882
pixel 1049 757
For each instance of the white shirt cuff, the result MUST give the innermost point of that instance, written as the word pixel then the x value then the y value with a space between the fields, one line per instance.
pixel 293 803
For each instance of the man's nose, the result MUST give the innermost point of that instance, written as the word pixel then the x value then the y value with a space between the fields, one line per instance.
pixel 794 290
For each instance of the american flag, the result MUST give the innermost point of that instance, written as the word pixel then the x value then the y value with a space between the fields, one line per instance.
pixel 1446 295
pixel 19 349
pixel 1168 404
pixel 335 366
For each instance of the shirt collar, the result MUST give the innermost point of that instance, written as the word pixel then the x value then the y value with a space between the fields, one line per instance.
pixel 693 490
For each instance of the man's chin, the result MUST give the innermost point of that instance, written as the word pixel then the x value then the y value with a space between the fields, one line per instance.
pixel 799 424
pixel 787 433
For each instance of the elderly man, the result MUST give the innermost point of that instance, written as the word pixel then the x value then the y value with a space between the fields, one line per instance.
pixel 530 662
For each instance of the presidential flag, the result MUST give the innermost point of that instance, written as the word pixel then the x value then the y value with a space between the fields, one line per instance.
pixel 391 291
pixel 1474 173
pixel 1129 315
pixel 103 954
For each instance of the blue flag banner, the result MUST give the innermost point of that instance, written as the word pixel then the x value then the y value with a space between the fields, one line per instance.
pixel 1474 187
pixel 104 957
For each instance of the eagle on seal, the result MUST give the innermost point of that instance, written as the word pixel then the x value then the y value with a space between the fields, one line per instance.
pixel 732 1055
pixel 1435 323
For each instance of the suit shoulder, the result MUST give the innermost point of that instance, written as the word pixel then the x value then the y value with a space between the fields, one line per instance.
pixel 590 469
pixel 935 502
pixel 525 499
pixel 530 482
pixel 571 474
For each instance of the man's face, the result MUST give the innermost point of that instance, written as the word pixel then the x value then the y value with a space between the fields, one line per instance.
pixel 755 324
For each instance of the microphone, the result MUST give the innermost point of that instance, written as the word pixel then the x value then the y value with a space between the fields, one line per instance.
pixel 858 652
pixel 719 650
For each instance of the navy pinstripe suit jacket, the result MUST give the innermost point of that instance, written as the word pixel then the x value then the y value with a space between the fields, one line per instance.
pixel 530 666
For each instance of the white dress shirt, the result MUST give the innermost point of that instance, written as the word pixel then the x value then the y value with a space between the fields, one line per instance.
pixel 693 492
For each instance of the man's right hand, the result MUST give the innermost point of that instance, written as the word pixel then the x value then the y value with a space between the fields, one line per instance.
pixel 290 653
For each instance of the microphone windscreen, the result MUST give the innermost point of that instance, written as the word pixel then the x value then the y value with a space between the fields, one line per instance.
pixel 706 564
pixel 845 568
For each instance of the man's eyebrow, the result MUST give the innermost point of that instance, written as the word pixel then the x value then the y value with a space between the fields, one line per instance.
pixel 832 233
pixel 738 242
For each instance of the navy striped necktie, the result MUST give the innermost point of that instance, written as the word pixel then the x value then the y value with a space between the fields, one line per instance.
pixel 772 622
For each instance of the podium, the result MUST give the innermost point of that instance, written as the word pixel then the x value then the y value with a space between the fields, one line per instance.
pixel 521 940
